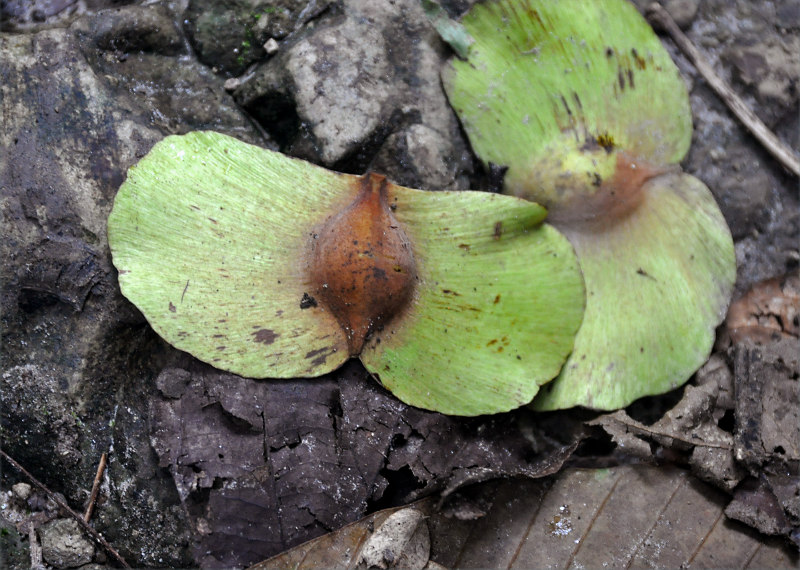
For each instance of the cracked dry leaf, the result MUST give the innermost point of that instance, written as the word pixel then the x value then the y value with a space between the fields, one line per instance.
pixel 263 466
pixel 766 436
pixel 271 267
pixel 584 106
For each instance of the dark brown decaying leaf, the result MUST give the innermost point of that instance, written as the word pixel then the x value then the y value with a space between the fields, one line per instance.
pixel 763 328
pixel 628 516
pixel 766 438
pixel 265 465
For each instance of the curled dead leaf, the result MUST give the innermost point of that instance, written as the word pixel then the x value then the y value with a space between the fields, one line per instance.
pixel 402 541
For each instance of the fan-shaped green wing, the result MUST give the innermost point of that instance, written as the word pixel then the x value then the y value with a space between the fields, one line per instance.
pixel 557 90
pixel 657 282
pixel 499 299
pixel 211 236
pixel 583 104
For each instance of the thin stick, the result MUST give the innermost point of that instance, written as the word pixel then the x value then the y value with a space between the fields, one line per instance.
pixel 659 17
pixel 93 533
pixel 95 487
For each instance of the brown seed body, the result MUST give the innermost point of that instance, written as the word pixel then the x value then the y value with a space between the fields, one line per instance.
pixel 362 266
pixel 613 199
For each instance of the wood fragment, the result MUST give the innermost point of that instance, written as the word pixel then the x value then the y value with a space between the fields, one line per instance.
pixel 35 548
pixel 101 467
pixel 659 18
pixel 67 509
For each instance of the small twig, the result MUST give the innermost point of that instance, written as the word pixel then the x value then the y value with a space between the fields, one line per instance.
pixel 659 17
pixel 95 487
pixel 66 508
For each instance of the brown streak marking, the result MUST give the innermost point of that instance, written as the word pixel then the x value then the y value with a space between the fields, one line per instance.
pixel 753 555
pixel 703 541
pixel 534 516
pixel 678 487
pixel 591 523
pixel 313 353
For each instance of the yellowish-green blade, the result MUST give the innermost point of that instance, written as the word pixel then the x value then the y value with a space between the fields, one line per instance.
pixel 499 299
pixel 211 236
pixel 657 284
pixel 558 90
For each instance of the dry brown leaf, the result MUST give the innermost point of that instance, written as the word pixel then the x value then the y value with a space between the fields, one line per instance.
pixel 628 516
pixel 690 427
pixel 346 547
pixel 768 310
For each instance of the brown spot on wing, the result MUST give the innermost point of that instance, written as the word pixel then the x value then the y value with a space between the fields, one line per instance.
pixel 498 230
pixel 265 336
pixel 319 356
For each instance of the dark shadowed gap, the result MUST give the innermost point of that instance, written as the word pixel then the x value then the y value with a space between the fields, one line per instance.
pixel 402 483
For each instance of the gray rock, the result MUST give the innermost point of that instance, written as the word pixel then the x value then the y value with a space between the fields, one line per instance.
pixel 345 99
pixel 230 35
pixel 63 544
pixel 353 92
pixel 45 429
pixel 770 68
pixel 81 105
pixel 421 157
pixel 682 11
pixel 21 491
pixel 14 546
pixel 752 190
